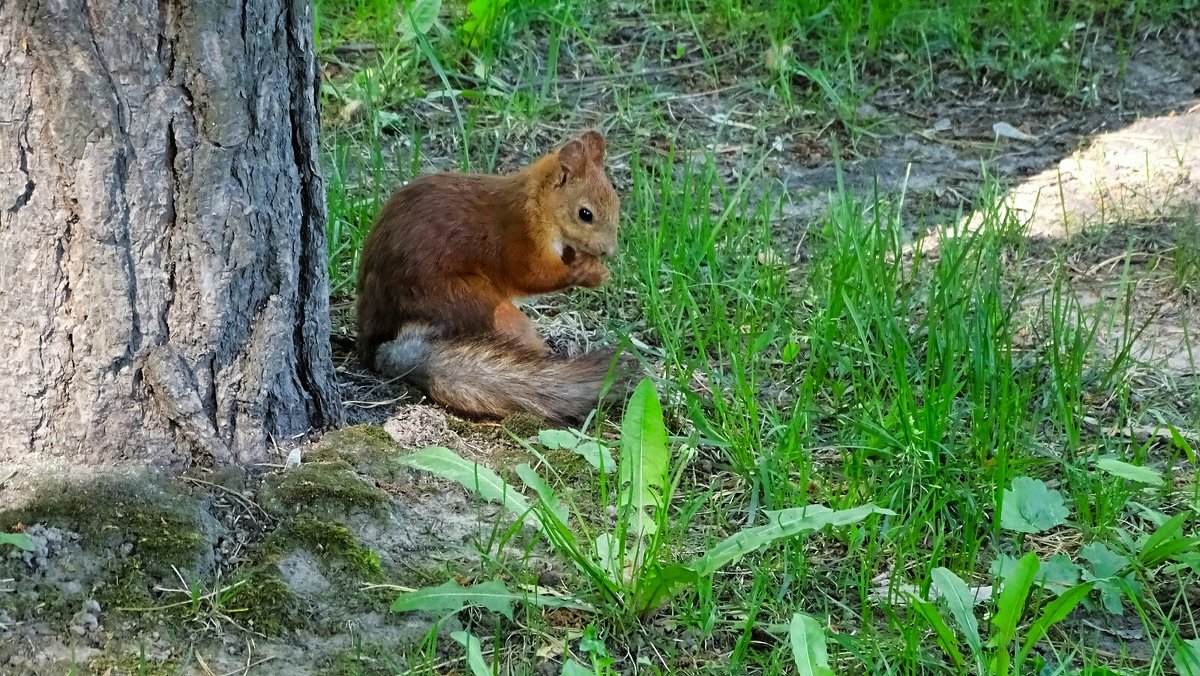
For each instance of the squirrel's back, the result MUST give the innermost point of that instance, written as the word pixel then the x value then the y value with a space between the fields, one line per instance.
pixel 427 233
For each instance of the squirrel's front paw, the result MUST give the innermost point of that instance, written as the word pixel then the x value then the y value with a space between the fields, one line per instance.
pixel 588 271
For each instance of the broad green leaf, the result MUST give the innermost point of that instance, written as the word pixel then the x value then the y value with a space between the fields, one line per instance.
pixel 1009 606
pixel 644 460
pixel 1105 562
pixel 791 350
pixel 420 13
pixel 1142 475
pixel 487 484
pixel 659 584
pixel 484 14
pixel 1031 507
pixel 1056 575
pixel 556 439
pixel 544 493
pixel 945 637
pixel 808 646
pixel 475 659
pixel 592 644
pixel 1059 573
pixel 596 454
pixel 961 602
pixel 386 119
pixel 1187 657
pixel 1054 612
pixel 780 524
pixel 572 667
pixel 1111 595
pixel 1106 565
pixel 609 557
pixel 451 597
pixel 18 540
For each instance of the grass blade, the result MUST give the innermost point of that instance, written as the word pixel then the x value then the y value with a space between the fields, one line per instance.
pixel 945 637
pixel 1166 541
pixel 1009 608
pixel 1055 612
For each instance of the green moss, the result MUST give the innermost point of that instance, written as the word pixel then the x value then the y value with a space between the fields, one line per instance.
pixel 160 523
pixel 320 487
pixel 463 428
pixel 367 448
pixel 127 588
pixel 524 424
pixel 264 602
pixel 369 659
pixel 130 663
pixel 333 543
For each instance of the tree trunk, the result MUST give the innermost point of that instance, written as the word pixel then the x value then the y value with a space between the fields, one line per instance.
pixel 163 278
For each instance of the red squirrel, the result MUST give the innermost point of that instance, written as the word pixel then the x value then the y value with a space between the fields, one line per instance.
pixel 448 254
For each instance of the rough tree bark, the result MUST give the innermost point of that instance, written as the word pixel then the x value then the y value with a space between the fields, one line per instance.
pixel 163 290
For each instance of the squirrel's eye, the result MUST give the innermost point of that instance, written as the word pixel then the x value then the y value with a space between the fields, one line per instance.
pixel 585 215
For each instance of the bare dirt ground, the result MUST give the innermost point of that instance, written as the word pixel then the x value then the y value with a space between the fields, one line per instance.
pixel 93 598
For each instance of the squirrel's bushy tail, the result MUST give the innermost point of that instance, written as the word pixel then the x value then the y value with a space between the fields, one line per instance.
pixel 486 377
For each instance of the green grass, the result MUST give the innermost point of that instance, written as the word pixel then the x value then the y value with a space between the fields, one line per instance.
pixel 866 372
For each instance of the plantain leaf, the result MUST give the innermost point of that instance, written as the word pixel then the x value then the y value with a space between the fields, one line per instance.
pixel 475 659
pixel 1142 475
pixel 781 524
pixel 487 484
pixel 1009 607
pixel 452 597
pixel 961 602
pixel 645 456
pixel 808 646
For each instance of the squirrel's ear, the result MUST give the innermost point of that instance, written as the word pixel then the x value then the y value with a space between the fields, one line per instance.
pixel 573 158
pixel 595 144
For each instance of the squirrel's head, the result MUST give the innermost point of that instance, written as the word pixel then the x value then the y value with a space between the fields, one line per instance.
pixel 581 199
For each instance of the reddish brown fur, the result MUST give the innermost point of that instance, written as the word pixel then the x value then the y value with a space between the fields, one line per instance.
pixel 451 251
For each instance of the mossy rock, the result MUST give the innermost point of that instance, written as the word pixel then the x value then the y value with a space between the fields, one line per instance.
pixel 112 541
pixel 132 663
pixel 367 448
pixel 144 518
pixel 331 542
pixel 322 489
pixel 264 601
pixel 369 659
